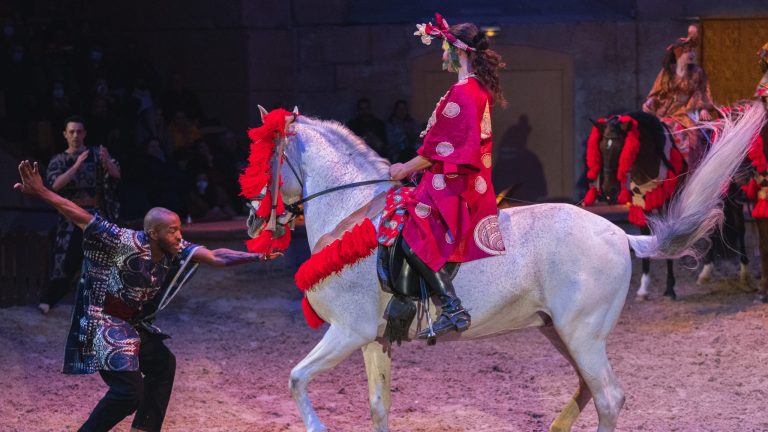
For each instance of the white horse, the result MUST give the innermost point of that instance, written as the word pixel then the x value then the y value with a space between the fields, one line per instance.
pixel 574 298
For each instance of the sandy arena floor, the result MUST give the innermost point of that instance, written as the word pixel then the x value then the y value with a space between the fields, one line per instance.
pixel 698 364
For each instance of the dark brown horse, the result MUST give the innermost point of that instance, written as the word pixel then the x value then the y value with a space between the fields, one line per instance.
pixel 632 159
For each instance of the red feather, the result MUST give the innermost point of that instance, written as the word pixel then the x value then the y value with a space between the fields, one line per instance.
pixel 591 196
pixel 594 158
pixel 354 245
pixel 312 318
pixel 761 209
pixel 624 196
pixel 637 216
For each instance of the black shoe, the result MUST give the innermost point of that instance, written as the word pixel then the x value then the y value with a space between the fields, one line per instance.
pixel 453 317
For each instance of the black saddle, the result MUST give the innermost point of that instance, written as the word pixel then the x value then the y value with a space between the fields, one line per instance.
pixel 407 287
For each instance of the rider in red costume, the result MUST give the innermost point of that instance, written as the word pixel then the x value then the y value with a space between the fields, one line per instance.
pixel 453 209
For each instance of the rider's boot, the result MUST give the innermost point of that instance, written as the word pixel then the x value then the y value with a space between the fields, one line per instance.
pixel 453 315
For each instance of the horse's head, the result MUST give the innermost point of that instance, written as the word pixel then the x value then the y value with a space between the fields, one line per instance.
pixel 612 133
pixel 272 181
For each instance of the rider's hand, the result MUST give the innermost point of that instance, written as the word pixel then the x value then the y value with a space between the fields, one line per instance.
pixel 398 171
pixel 31 182
pixel 704 115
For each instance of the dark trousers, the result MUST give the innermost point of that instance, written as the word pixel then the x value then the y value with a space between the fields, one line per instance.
pixel 146 392
pixel 73 260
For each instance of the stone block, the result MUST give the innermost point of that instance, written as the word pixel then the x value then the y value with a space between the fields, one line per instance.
pixel 266 14
pixel 315 78
pixel 391 43
pixel 270 47
pixel 335 45
pixel 311 12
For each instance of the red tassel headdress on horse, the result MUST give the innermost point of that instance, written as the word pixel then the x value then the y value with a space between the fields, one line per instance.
pixel 428 31
pixel 261 178
pixel 626 159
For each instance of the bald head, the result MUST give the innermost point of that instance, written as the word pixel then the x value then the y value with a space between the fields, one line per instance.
pixel 159 217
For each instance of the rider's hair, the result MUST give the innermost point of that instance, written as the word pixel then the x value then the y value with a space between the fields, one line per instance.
pixel 486 63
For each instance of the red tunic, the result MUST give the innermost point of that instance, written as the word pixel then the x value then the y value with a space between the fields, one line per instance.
pixel 453 215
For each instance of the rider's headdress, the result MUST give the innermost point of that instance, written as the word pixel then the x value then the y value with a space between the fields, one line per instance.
pixel 428 31
pixel 763 52
pixel 685 44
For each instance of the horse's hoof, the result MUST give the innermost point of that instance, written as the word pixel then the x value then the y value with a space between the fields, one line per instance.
pixel 642 297
pixel 670 296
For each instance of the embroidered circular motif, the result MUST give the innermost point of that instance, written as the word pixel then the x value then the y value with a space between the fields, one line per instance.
pixel 448 237
pixel 451 110
pixel 423 210
pixel 438 182
pixel 444 148
pixel 480 185
pixel 488 236
pixel 487 160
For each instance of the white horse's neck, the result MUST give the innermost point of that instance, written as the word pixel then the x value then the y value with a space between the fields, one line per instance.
pixel 331 156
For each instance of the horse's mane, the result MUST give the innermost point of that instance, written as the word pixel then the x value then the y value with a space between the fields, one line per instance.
pixel 335 133
pixel 651 130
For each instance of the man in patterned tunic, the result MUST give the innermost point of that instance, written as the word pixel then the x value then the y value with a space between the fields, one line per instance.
pixel 87 176
pixel 126 277
pixel 453 215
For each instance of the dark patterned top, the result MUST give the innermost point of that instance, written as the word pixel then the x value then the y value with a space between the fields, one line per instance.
pixel 119 281
pixel 90 183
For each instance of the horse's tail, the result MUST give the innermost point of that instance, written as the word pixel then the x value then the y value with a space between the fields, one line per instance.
pixel 695 211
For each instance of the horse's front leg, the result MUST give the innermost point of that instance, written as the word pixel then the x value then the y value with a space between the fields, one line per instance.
pixel 378 367
pixel 335 346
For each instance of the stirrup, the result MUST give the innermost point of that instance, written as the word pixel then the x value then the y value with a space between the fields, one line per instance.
pixel 453 317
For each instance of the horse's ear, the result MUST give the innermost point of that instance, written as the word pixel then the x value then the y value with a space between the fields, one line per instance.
pixel 598 124
pixel 263 113
pixel 296 110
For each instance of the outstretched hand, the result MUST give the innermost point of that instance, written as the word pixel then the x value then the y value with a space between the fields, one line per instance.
pixel 31 182
pixel 270 256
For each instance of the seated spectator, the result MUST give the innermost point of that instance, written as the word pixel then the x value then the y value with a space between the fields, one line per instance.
pixel 369 127
pixel 402 133
pixel 208 199
pixel 180 98
pixel 183 133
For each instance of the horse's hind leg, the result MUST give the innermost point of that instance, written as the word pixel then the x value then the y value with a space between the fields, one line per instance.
pixel 645 279
pixel 378 368
pixel 335 346
pixel 762 236
pixel 567 417
pixel 705 276
pixel 741 232
pixel 588 353
pixel 670 292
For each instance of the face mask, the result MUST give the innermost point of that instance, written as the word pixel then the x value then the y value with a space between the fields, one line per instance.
pixel 202 185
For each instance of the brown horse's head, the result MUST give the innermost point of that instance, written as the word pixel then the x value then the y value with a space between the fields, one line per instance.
pixel 613 137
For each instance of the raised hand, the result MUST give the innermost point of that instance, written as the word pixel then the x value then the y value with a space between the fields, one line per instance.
pixel 82 157
pixel 31 182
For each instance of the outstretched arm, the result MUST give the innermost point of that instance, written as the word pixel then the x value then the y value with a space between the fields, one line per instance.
pixel 32 184
pixel 227 257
